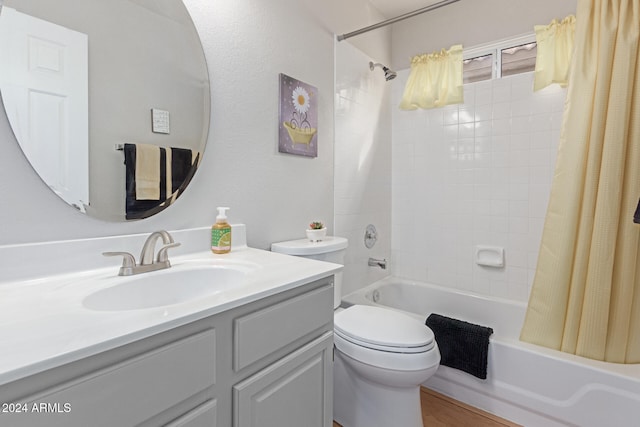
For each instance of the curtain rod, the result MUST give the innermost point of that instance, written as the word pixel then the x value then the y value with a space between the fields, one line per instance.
pixel 396 19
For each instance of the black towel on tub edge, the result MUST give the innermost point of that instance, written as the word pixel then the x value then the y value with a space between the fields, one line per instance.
pixel 463 345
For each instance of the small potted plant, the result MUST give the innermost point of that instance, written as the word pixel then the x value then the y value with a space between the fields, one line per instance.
pixel 317 231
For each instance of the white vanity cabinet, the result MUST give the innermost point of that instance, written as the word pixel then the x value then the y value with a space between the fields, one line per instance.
pixel 266 363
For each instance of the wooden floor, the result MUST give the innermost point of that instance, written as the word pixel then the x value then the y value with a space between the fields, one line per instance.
pixel 442 411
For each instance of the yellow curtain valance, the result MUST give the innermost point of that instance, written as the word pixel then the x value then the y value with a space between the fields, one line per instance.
pixel 555 48
pixel 435 80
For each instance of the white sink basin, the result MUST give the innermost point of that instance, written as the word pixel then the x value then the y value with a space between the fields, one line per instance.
pixel 167 287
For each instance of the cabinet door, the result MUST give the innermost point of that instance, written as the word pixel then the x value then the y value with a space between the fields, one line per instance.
pixel 204 415
pixel 294 391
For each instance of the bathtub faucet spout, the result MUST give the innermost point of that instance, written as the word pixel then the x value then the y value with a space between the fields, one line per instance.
pixel 382 263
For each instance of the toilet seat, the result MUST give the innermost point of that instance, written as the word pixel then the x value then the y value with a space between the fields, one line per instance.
pixel 400 362
pixel 385 338
pixel 383 329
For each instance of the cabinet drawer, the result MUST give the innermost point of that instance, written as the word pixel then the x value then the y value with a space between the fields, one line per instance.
pixel 259 334
pixel 129 392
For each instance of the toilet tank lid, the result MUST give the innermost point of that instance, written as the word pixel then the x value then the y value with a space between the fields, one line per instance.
pixel 302 247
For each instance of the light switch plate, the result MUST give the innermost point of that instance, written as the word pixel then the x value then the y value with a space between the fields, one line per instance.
pixel 160 121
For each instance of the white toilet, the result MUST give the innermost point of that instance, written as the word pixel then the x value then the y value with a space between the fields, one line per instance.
pixel 381 358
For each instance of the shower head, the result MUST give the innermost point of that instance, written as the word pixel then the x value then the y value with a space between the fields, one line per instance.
pixel 388 74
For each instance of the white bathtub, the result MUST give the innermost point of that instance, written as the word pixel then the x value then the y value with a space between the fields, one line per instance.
pixel 527 384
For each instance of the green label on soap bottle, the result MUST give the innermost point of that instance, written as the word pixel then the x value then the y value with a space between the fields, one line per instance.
pixel 221 238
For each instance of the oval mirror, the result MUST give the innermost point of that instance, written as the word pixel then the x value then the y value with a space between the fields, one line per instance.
pixel 108 99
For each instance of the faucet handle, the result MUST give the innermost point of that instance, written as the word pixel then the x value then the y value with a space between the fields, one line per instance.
pixel 128 262
pixel 163 255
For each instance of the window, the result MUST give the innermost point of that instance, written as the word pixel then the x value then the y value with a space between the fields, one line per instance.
pixel 477 68
pixel 518 59
pixel 496 60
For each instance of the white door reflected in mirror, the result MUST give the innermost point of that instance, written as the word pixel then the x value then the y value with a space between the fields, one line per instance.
pixel 44 83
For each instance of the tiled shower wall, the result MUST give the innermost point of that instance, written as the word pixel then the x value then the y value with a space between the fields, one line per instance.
pixel 362 171
pixel 477 173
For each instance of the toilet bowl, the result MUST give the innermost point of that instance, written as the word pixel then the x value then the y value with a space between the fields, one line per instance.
pixel 381 356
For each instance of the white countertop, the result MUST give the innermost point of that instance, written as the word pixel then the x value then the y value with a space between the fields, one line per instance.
pixel 43 323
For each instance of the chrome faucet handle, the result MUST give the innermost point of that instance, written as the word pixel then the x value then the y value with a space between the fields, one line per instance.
pixel 163 253
pixel 128 262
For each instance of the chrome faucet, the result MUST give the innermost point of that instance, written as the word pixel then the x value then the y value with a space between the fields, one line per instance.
pixel 129 266
pixel 382 263
pixel 149 248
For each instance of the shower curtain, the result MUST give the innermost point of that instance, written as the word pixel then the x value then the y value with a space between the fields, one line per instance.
pixel 585 298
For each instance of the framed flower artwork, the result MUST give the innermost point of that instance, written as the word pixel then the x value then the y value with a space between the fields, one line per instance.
pixel 298 119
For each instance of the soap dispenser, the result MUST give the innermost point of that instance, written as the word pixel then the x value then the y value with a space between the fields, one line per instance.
pixel 221 233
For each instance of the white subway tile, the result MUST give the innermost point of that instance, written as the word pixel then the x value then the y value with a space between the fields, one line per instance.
pixel 501 110
pixel 499 159
pixel 500 142
pixel 520 107
pixel 450 115
pixel 541 139
pixel 516 258
pixel 501 93
pixel 466 130
pixel 520 124
pixel 482 160
pixel 483 113
pixel 520 141
pixel 541 122
pixel 518 191
pixel 540 157
pixel 518 225
pixel 482 207
pixel 499 289
pixel 500 207
pixel 483 96
pixel 483 129
pixel 483 223
pixel 519 208
pixel 519 175
pixel 466 114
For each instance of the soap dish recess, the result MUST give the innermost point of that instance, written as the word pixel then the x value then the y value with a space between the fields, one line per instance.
pixel 490 256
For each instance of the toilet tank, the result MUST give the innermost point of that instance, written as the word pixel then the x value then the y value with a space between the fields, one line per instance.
pixel 330 249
